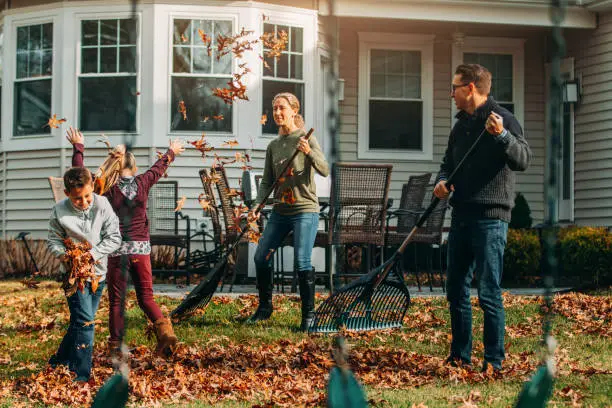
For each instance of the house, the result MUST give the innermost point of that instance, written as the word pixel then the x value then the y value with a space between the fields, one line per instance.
pixel 88 62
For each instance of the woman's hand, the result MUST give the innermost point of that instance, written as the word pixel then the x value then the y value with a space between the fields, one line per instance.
pixel 304 146
pixel 177 146
pixel 74 136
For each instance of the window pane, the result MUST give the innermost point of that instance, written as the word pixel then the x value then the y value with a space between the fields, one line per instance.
pixel 89 60
pixel 395 62
pixel 282 66
pixel 89 32
pixel 412 87
pixel 297 39
pixel 412 62
pixel 296 66
pixel 35 37
pixel 22 38
pixel 377 85
pixel 268 28
pixel 127 59
pixel 268 66
pixel 108 60
pixel 502 90
pixel 377 61
pixel 224 65
pixel 509 106
pixel 108 104
pixel 181 59
pixel 32 107
pixel 22 64
pixel 223 28
pixel 500 66
pixel 182 31
pixel 270 89
pixel 201 60
pixel 396 125
pixel 395 74
pixel 504 66
pixel 201 105
pixel 395 86
pixel 108 32
pixel 204 25
pixel 35 63
pixel 47 36
pixel 127 31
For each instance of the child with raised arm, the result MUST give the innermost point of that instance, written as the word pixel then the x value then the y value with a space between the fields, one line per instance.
pixel 128 192
pixel 83 217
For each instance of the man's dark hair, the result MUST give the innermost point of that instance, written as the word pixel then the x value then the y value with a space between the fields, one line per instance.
pixel 476 73
pixel 76 177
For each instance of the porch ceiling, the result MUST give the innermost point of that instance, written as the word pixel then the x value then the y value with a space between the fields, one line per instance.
pixel 533 13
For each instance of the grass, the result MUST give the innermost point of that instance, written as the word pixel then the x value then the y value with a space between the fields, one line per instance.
pixel 29 350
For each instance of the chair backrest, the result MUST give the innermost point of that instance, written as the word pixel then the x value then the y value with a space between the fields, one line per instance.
pixel 213 211
pixel 227 205
pixel 57 188
pixel 358 203
pixel 432 231
pixel 413 194
pixel 160 208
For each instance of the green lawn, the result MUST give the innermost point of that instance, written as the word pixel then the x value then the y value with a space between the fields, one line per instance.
pixel 225 363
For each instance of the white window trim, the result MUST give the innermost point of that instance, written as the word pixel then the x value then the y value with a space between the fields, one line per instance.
pixel 115 15
pixel 391 41
pixel 497 45
pixel 310 63
pixel 10 73
pixel 201 15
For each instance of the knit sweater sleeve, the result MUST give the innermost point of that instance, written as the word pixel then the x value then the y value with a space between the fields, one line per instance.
pixel 154 173
pixel 77 154
pixel 56 235
pixel 447 166
pixel 268 177
pixel 111 237
pixel 516 148
pixel 317 157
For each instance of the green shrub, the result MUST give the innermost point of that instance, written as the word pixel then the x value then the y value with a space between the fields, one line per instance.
pixel 521 213
pixel 586 254
pixel 522 255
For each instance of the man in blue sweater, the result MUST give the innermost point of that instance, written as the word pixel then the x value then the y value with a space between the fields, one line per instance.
pixel 482 199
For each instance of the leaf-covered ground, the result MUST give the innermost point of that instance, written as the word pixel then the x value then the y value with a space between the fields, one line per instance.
pixel 223 362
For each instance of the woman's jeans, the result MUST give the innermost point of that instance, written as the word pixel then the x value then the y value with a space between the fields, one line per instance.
pixel 304 227
pixel 75 350
pixel 476 246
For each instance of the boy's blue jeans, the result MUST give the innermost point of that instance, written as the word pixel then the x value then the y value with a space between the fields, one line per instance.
pixel 476 245
pixel 304 228
pixel 76 348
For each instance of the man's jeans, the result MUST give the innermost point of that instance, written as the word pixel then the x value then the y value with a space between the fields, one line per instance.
pixel 75 350
pixel 476 246
pixel 304 227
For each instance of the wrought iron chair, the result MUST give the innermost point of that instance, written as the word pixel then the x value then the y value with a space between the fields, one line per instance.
pixel 410 208
pixel 164 225
pixel 358 209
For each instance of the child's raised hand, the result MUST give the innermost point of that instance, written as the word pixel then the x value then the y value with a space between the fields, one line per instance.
pixel 177 146
pixel 74 136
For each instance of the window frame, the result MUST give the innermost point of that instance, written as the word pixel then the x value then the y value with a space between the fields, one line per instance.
pixel 424 43
pixel 78 74
pixel 211 16
pixel 13 75
pixel 496 45
pixel 263 77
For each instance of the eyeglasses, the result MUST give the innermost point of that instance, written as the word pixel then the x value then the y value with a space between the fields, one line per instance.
pixel 454 87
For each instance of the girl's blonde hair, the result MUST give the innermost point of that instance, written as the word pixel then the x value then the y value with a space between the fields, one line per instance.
pixel 294 102
pixel 109 171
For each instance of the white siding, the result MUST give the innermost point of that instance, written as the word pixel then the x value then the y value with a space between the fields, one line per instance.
pixel 592 51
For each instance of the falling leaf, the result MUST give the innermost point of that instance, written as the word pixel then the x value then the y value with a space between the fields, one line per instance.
pixel 182 109
pixel 202 145
pixel 231 143
pixel 218 117
pixel 54 122
pixel 264 119
pixel 287 197
pixel 183 38
pixel 30 283
pixel 205 203
pixel 180 203
pixel 205 119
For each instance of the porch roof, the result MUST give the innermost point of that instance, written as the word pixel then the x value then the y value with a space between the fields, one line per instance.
pixel 508 12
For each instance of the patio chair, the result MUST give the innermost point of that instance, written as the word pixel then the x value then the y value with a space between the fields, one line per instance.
pixel 410 208
pixel 57 188
pixel 358 209
pixel 164 225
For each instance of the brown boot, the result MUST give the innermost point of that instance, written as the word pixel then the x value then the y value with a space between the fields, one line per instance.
pixel 166 340
pixel 114 348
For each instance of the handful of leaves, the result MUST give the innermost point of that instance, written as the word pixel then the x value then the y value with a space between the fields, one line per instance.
pixel 80 267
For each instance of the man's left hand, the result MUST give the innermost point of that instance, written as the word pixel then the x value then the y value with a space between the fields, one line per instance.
pixel 495 124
